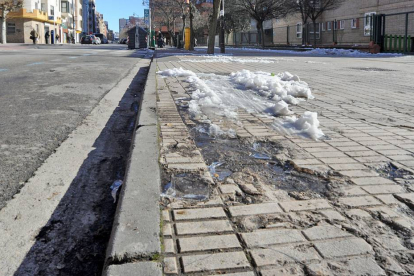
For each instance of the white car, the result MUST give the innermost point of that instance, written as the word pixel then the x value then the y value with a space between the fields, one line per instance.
pixel 97 41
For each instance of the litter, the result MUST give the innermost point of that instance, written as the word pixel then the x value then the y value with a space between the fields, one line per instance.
pixel 115 187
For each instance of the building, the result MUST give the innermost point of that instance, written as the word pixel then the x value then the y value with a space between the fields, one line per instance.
pixel 85 17
pixel 92 20
pixel 123 23
pixel 349 25
pixel 40 15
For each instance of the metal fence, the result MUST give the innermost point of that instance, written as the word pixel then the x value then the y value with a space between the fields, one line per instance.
pixel 393 32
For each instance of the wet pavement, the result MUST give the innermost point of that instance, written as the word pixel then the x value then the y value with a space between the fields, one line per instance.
pixel 283 204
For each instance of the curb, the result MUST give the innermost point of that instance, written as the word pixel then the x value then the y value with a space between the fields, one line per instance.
pixel 135 246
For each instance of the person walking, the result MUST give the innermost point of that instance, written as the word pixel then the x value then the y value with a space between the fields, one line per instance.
pixel 34 36
pixel 47 35
pixel 57 38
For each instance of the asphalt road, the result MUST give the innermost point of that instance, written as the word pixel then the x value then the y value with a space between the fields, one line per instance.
pixel 45 92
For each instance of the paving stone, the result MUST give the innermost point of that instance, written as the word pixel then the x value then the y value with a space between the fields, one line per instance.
pixel 272 237
pixel 200 213
pixel 230 189
pixel 203 227
pixel 306 161
pixel 390 242
pixel 328 154
pixel 166 215
pixel 359 173
pixel 354 191
pixel 283 271
pixel 359 201
pixel 255 209
pixel 284 254
pixel 350 266
pixel 372 181
pixel 325 149
pixel 167 229
pixel 383 189
pixel 387 199
pixel 188 166
pixel 394 152
pixel 169 246
pixel 362 153
pixel 407 198
pixel 358 213
pixel 401 157
pixel 208 243
pixel 332 215
pixel 347 167
pixel 384 211
pixel 341 160
pixel 372 159
pixel 250 273
pixel 305 205
pixel 343 248
pixel 217 261
pixel 351 149
pixel 170 265
pixel 325 232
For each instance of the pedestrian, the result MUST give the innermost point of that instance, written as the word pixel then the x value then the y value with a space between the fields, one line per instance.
pixel 57 38
pixel 195 42
pixel 34 36
pixel 47 35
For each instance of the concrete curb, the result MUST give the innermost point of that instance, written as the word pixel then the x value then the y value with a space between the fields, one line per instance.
pixel 135 240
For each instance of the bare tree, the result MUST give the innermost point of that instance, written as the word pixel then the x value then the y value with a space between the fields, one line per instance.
pixel 7 6
pixel 262 10
pixel 213 27
pixel 313 9
pixel 235 20
pixel 166 13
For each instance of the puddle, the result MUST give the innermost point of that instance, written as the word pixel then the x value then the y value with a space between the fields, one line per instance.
pixel 187 186
pixel 219 173
pixel 392 172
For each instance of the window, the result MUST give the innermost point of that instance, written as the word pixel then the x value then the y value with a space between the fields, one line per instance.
pixel 367 23
pixel 316 33
pixel 329 25
pixel 52 11
pixel 342 25
pixel 299 30
pixel 11 28
pixel 65 7
pixel 335 25
pixel 36 6
pixel 354 23
pixel 323 27
pixel 43 7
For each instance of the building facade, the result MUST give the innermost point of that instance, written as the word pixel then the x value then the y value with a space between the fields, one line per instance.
pixel 43 16
pixel 350 24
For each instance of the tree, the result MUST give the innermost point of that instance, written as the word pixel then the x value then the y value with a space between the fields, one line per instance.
pixel 213 27
pixel 262 10
pixel 167 12
pixel 313 9
pixel 7 6
pixel 235 21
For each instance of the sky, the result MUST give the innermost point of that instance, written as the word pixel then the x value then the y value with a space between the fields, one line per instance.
pixel 113 10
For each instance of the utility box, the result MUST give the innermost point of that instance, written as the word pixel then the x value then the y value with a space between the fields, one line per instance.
pixel 137 38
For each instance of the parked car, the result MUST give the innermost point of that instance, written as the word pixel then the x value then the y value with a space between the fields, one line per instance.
pixel 123 41
pixel 87 39
pixel 103 38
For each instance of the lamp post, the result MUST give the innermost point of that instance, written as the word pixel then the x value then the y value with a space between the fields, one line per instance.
pixel 221 36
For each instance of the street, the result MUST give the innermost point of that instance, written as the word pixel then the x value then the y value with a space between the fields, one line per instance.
pixel 68 114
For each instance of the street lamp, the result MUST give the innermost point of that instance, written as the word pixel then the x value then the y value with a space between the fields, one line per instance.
pixel 221 36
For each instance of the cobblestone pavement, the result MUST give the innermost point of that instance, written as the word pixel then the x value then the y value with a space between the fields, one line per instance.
pixel 357 216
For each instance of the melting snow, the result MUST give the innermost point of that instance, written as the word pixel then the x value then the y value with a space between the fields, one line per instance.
pixel 255 92
pixel 228 59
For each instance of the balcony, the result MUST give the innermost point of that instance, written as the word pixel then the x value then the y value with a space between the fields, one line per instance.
pixel 36 15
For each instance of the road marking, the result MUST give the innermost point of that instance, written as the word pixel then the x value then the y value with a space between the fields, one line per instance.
pixel 73 57
pixel 3 70
pixel 35 63
pixel 87 54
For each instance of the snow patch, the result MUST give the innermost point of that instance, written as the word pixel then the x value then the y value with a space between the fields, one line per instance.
pixel 307 125
pixel 177 72
pixel 227 59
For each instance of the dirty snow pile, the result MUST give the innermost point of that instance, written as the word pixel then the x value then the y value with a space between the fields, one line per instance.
pixel 227 59
pixel 256 92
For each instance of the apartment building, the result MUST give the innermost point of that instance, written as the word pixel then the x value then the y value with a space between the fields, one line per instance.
pixel 40 15
pixel 350 24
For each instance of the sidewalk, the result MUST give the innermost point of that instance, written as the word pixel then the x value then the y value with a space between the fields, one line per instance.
pixel 242 198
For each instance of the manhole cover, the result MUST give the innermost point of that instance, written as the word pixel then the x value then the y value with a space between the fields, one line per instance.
pixel 372 69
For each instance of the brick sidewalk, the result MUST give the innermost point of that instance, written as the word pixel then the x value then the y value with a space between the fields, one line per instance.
pixel 364 228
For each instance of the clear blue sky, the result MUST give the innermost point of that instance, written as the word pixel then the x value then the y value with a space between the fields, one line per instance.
pixel 113 10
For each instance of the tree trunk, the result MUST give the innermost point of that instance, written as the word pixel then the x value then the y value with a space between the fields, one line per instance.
pixel 262 33
pixel 3 27
pixel 191 28
pixel 183 37
pixel 213 27
pixel 314 34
